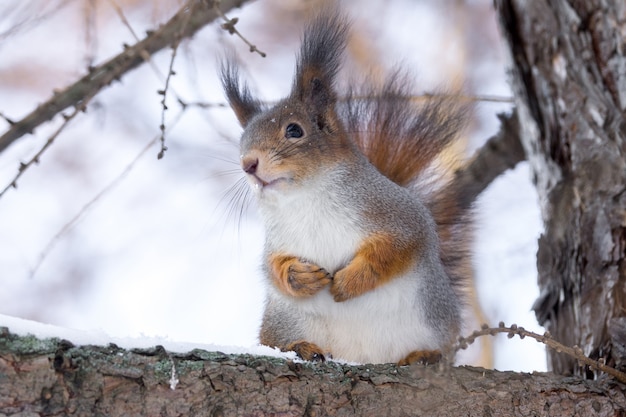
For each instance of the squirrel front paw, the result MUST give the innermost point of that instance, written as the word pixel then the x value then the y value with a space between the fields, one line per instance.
pixel 297 277
pixel 352 281
pixel 306 279
pixel 380 258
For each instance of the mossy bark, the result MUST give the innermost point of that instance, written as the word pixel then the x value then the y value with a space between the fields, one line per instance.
pixel 52 377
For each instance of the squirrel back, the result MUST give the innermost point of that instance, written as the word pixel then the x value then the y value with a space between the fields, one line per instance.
pixel 405 138
pixel 356 201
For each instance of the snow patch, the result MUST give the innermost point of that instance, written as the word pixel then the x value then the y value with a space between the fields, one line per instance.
pixel 22 327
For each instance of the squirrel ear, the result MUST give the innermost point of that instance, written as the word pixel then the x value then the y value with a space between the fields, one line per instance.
pixel 319 61
pixel 239 97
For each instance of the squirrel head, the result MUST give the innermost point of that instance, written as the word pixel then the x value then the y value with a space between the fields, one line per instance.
pixel 301 136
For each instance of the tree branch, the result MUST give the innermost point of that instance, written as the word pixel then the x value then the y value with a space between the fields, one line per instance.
pixel 52 377
pixel 191 17
pixel 501 152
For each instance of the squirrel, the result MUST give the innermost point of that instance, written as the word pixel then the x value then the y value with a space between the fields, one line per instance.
pixel 366 241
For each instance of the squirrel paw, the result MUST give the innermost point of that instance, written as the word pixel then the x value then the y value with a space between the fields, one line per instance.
pixel 306 278
pixel 298 278
pixel 350 282
pixel 307 351
pixel 424 357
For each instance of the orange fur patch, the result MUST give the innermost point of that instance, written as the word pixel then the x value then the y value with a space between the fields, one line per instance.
pixel 426 357
pixel 297 278
pixel 379 259
pixel 307 351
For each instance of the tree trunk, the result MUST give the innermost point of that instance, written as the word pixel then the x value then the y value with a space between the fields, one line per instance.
pixel 51 377
pixel 569 80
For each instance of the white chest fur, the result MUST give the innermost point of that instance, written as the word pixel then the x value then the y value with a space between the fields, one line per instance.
pixel 312 225
pixel 383 325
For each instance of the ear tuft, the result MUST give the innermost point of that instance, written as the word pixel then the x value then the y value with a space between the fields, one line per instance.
pixel 239 97
pixel 319 59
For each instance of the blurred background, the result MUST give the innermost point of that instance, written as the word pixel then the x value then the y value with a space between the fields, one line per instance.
pixel 101 235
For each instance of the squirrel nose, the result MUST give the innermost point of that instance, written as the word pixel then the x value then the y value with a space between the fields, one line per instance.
pixel 250 165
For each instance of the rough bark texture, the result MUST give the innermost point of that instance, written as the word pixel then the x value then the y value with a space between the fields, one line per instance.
pixel 569 79
pixel 51 377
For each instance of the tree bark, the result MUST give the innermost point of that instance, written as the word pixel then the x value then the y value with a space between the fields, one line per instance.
pixel 52 377
pixel 569 81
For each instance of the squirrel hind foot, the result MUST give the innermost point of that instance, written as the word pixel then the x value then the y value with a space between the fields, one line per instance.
pixel 424 357
pixel 307 351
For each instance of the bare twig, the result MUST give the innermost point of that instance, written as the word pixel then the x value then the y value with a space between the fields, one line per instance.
pixel 575 352
pixel 107 189
pixel 35 159
pixel 163 103
pixel 6 119
pixel 170 73
pixel 166 79
pixel 28 15
pixel 485 98
pixel 229 26
pixel 196 12
pixel 91 39
pixel 202 105
pixel 420 97
pixel 122 16
pixel 125 22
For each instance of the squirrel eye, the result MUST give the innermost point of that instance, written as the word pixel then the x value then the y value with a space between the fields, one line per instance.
pixel 293 130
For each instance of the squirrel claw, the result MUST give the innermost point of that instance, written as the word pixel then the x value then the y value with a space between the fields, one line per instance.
pixel 307 351
pixel 298 277
pixel 305 278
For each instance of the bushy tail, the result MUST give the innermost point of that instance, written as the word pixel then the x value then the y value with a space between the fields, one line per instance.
pixel 405 140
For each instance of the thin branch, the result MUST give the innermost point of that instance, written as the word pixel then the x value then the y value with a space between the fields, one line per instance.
pixel 574 352
pixel 91 31
pixel 125 22
pixel 163 103
pixel 70 224
pixel 485 98
pixel 197 13
pixel 201 104
pixel 421 97
pixel 35 159
pixel 6 119
pixel 170 73
pixel 107 189
pixel 166 79
pixel 229 27
pixel 501 152
pixel 122 16
pixel 29 15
